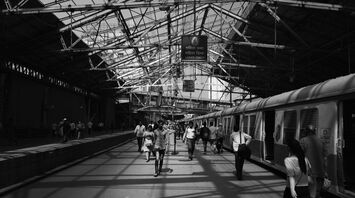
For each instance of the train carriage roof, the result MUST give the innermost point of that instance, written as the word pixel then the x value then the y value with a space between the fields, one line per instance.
pixel 330 88
pixel 229 111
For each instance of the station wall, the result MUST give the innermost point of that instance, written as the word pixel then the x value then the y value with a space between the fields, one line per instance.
pixel 35 106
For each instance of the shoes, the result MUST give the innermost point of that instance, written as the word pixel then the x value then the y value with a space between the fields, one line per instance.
pixel 147 160
pixel 190 157
pixel 156 175
pixel 238 177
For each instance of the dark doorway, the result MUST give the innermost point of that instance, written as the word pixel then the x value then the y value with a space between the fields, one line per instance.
pixel 269 131
pixel 236 122
pixel 349 147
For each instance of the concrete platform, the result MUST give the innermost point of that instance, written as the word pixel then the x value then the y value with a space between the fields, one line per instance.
pixel 123 172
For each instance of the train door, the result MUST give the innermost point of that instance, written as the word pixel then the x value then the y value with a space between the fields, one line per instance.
pixel 349 145
pixel 236 122
pixel 269 131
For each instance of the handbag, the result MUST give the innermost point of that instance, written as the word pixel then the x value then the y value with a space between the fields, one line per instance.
pixel 243 149
pixel 326 184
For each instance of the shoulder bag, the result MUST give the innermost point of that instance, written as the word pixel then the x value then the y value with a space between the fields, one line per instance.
pixel 243 149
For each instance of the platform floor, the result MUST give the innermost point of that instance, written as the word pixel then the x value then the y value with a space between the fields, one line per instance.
pixel 123 172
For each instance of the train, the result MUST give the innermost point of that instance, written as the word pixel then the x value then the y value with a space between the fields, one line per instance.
pixel 329 106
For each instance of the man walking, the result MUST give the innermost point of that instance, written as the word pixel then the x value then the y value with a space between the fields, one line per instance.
pixel 139 131
pixel 205 136
pixel 316 154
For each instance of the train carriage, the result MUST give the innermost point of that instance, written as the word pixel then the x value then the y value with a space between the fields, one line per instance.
pixel 329 106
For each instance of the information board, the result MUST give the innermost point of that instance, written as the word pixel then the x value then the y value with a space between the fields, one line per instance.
pixel 194 48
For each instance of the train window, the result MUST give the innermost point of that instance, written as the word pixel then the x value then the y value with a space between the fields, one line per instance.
pixel 245 124
pixel 308 117
pixel 290 125
pixel 252 126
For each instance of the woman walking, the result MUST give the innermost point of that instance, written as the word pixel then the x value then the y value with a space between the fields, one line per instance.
pixel 297 169
pixel 159 147
pixel 148 142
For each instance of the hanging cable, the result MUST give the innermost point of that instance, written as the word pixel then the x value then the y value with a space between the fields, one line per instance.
pixel 275 32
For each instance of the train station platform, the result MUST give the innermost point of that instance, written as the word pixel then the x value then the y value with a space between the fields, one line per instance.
pixel 124 172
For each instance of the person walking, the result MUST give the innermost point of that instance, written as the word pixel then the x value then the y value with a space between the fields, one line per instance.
pixel 205 136
pixel 148 145
pixel 213 137
pixel 237 138
pixel 220 138
pixel 297 169
pixel 161 136
pixel 189 138
pixel 197 133
pixel 140 128
pixel 316 154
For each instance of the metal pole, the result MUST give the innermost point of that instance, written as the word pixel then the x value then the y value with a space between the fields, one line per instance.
pixel 174 152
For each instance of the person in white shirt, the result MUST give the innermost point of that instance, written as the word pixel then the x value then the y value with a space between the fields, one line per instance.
pixel 189 138
pixel 139 131
pixel 160 146
pixel 237 138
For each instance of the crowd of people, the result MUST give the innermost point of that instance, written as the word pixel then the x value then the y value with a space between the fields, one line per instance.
pixel 154 140
pixel 305 165
pixel 67 129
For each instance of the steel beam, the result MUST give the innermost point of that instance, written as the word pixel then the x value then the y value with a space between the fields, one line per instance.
pixel 309 4
pixel 278 19
pixel 107 6
pixel 115 6
pixel 228 13
pixel 244 37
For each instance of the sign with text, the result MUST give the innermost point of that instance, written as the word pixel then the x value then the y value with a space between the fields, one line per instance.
pixel 188 86
pixel 194 48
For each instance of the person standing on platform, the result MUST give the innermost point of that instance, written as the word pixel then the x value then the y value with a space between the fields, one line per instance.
pixel 54 129
pixel 205 134
pixel 161 136
pixel 66 129
pixel 297 168
pixel 148 145
pixel 189 138
pixel 89 125
pixel 237 138
pixel 79 129
pixel 140 128
pixel 316 154
pixel 72 130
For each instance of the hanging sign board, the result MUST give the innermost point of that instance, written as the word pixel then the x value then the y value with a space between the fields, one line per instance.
pixel 194 48
pixel 188 86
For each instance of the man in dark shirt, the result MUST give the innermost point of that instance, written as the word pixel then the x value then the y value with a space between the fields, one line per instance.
pixel 205 136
